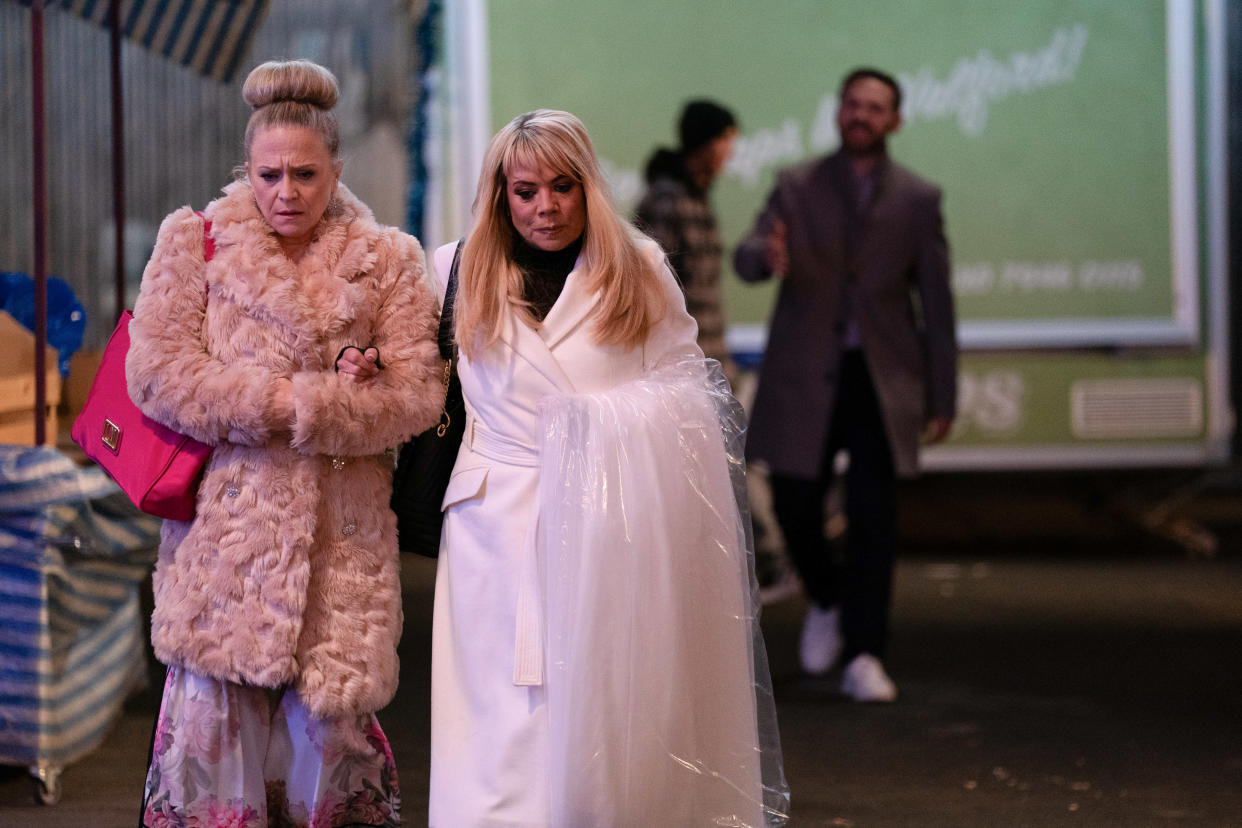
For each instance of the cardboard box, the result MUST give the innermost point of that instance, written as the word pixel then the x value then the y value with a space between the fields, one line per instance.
pixel 17 385
pixel 83 366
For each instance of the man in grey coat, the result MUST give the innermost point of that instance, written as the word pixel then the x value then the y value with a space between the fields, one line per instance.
pixel 861 357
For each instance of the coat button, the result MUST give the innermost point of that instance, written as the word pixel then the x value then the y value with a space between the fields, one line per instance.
pixel 338 463
pixel 348 529
pixel 232 491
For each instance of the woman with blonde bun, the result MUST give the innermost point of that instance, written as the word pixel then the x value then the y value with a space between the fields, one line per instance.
pixel 303 349
pixel 595 651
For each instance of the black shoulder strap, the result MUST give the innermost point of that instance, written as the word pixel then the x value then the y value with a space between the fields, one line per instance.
pixel 448 348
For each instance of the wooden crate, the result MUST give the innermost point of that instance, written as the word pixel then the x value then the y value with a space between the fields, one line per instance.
pixel 82 369
pixel 17 385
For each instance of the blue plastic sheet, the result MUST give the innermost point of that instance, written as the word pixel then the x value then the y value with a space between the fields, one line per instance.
pixel 66 318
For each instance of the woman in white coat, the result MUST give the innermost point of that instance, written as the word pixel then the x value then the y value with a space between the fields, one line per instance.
pixel 595 658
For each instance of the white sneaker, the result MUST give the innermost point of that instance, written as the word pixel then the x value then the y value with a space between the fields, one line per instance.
pixel 864 680
pixel 821 642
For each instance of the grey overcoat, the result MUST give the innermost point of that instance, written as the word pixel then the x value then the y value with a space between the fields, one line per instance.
pixel 898 274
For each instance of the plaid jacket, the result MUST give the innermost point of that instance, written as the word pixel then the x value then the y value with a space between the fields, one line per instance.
pixel 683 223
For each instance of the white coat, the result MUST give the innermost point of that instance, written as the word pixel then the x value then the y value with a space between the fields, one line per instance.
pixel 489 717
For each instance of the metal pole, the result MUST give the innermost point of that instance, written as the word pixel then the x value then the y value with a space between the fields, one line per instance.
pixel 40 221
pixel 1233 174
pixel 118 153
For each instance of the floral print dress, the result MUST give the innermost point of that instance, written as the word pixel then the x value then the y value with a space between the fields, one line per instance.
pixel 231 756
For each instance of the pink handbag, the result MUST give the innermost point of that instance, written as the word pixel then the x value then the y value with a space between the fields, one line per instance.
pixel 157 468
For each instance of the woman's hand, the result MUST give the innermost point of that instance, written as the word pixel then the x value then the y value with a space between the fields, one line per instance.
pixel 358 364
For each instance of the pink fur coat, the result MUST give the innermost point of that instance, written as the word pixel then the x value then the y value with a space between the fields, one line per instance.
pixel 289 572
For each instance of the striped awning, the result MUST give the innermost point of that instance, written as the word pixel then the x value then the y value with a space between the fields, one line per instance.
pixel 208 36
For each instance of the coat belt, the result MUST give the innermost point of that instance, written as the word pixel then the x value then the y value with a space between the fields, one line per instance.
pixel 528 621
pixel 494 446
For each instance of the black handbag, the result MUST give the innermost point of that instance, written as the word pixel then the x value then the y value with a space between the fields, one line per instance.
pixel 425 462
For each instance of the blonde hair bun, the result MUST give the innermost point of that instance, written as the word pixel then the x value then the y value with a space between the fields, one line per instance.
pixel 297 81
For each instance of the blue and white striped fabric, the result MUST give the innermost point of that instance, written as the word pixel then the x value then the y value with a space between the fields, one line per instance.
pixel 72 553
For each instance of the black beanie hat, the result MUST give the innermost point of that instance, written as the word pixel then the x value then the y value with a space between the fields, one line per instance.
pixel 701 122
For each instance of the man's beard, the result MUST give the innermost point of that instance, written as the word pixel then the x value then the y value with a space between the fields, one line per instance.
pixel 872 145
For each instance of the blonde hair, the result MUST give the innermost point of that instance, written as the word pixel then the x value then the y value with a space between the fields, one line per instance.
pixel 292 93
pixel 490 283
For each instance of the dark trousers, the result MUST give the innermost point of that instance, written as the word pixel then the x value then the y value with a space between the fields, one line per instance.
pixel 858 577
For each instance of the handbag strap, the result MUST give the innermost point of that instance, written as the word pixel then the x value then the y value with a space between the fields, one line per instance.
pixel 209 244
pixel 209 250
pixel 444 338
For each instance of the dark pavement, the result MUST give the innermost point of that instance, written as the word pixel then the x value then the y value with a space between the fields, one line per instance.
pixel 1068 650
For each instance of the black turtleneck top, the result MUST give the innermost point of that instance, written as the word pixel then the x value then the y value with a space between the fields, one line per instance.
pixel 544 273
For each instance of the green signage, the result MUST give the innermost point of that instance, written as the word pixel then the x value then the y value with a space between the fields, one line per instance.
pixel 1050 126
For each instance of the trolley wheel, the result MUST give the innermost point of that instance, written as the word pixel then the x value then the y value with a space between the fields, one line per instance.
pixel 47 783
